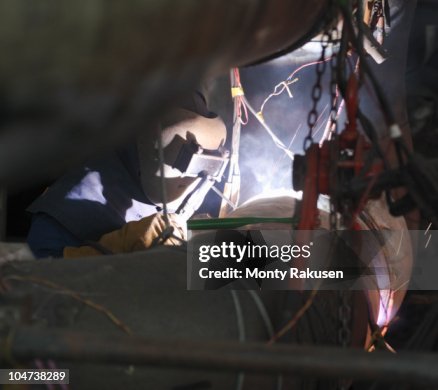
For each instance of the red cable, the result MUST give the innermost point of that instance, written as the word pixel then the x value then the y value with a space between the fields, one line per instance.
pixel 306 65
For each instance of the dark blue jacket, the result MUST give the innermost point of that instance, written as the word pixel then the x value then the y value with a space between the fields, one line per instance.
pixel 99 197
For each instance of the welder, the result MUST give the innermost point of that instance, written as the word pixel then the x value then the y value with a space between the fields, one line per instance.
pixel 137 196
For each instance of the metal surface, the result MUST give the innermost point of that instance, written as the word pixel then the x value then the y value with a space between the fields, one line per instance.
pixel 81 76
pixel 146 293
pixel 323 362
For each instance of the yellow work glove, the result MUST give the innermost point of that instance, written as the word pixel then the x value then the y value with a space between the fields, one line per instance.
pixel 134 236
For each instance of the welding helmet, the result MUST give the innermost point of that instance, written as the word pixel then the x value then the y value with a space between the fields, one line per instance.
pixel 192 140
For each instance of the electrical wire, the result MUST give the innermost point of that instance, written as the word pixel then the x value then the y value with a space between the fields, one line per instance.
pixel 298 315
pixel 305 66
pixel 231 191
pixel 284 85
pixel 75 295
pixel 366 124
pixel 278 143
pixel 386 107
pixel 238 98
pixel 365 67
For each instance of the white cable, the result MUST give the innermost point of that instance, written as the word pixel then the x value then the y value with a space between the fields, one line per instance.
pixel 276 140
pixel 285 86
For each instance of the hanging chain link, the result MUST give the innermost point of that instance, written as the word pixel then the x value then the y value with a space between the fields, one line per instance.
pixel 344 309
pixel 333 120
pixel 329 36
pixel 321 65
pixel 334 84
pixel 344 333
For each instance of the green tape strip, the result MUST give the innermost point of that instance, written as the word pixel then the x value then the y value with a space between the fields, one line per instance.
pixel 233 223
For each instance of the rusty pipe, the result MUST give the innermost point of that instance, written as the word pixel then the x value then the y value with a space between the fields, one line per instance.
pixel 309 361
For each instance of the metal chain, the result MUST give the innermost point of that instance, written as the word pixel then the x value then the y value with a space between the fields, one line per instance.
pixel 334 84
pixel 321 65
pixel 344 333
pixel 344 309
pixel 333 122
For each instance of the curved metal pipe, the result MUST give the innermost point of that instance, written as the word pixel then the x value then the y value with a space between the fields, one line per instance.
pixel 83 75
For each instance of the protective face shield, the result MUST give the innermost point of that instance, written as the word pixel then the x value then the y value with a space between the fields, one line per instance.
pixel 192 148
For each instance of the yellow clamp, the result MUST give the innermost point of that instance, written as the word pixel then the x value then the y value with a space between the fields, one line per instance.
pixel 237 91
